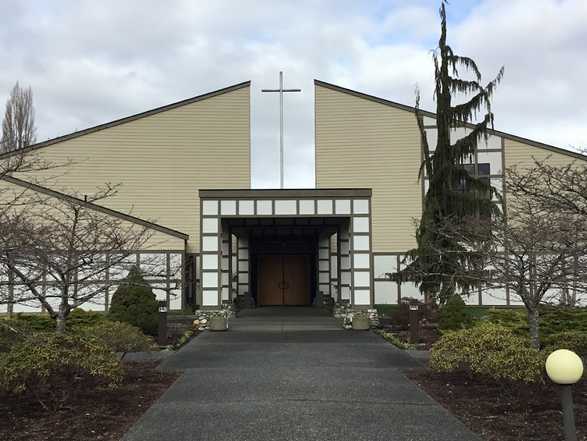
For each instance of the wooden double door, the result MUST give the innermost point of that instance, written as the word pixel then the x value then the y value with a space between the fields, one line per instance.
pixel 283 280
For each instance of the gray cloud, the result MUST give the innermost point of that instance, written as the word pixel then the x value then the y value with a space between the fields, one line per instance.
pixel 90 62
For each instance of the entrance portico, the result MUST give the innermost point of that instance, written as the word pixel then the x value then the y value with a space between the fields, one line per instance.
pixel 286 247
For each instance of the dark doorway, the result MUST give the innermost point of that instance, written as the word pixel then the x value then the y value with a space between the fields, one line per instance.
pixel 283 280
pixel 283 256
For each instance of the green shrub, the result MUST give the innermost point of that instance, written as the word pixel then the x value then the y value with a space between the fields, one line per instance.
pixel 572 340
pixel 515 320
pixel 46 359
pixel 120 336
pixel 12 332
pixel 134 303
pixel 386 310
pixel 37 322
pixel 183 339
pixel 556 319
pixel 488 351
pixel 476 313
pixel 453 314
pixel 79 318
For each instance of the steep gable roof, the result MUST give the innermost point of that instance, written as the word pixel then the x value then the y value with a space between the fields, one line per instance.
pixel 127 119
pixel 433 115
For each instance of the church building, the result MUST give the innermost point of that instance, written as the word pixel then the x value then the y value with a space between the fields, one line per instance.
pixel 184 171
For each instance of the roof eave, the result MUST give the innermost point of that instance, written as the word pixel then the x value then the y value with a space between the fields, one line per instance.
pixel 430 114
pixel 127 119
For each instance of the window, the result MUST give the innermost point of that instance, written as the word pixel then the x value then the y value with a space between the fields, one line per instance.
pixel 483 172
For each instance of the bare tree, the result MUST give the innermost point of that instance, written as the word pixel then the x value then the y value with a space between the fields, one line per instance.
pixel 29 166
pixel 557 189
pixel 59 249
pixel 539 251
pixel 18 126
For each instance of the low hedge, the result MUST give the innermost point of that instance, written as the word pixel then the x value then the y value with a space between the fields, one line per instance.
pixel 386 310
pixel 77 319
pixel 43 361
pixel 488 351
pixel 556 322
pixel 119 336
pixel 572 340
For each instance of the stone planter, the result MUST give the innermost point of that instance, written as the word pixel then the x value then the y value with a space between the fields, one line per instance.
pixel 361 323
pixel 218 324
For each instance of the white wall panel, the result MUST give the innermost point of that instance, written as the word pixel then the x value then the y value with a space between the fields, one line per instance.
pixel 264 207
pixel 324 206
pixel 307 206
pixel 362 297
pixel 209 298
pixel 342 206
pixel 228 207
pixel 385 293
pixel 246 207
pixel 209 207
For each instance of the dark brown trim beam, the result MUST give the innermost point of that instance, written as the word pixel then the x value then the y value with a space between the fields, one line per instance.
pixel 287 193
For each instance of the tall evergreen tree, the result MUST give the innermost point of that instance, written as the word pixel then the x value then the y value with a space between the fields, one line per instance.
pixel 455 191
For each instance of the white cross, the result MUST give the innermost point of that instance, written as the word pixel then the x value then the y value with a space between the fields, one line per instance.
pixel 281 90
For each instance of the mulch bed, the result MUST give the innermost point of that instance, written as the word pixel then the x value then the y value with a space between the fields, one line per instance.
pixel 91 413
pixel 505 411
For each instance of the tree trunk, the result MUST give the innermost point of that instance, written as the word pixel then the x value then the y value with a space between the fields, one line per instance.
pixel 60 320
pixel 534 323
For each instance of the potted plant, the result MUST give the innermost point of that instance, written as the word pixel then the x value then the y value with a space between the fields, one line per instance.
pixel 342 314
pixel 218 320
pixel 360 321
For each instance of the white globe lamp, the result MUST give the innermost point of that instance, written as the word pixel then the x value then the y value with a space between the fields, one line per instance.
pixel 565 368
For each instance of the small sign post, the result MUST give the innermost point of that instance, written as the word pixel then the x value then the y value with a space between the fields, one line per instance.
pixel 414 323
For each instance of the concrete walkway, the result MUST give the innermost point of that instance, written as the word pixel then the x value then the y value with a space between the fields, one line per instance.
pixel 291 374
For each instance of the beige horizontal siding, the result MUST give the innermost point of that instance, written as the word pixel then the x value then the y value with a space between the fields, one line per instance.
pixel 26 197
pixel 523 155
pixel 362 143
pixel 162 160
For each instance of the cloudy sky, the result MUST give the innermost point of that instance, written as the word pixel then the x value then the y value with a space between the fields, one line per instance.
pixel 89 62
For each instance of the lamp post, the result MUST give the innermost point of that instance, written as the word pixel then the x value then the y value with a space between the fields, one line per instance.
pixel 162 331
pixel 565 368
pixel 414 323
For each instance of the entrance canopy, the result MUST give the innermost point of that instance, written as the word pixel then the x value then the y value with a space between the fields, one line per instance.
pixel 285 247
